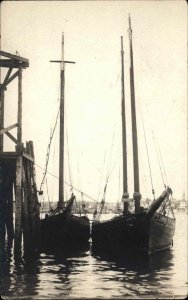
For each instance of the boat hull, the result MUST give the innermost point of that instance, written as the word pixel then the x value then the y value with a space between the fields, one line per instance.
pixel 62 230
pixel 162 229
pixel 134 232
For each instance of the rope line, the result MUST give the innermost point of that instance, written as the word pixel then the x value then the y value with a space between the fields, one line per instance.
pixel 110 157
pixel 47 192
pixel 162 163
pixel 67 184
pixel 100 184
pixel 70 176
pixel 158 160
pixel 48 151
pixel 153 191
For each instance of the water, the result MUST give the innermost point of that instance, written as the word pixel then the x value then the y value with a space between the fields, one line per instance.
pixel 86 275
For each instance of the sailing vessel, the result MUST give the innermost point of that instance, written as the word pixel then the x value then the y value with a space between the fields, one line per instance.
pixel 146 230
pixel 61 228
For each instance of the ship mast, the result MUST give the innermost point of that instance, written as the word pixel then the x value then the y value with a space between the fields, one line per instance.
pixel 61 130
pixel 137 195
pixel 124 142
pixel 62 121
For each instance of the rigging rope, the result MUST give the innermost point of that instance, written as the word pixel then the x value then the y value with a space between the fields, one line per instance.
pixel 47 192
pixel 42 205
pixel 159 156
pixel 98 214
pixel 117 79
pixel 99 191
pixel 109 161
pixel 145 185
pixel 48 151
pixel 70 177
pixel 153 191
pixel 89 197
pixel 162 162
pixel 109 172
pixel 159 161
pixel 108 167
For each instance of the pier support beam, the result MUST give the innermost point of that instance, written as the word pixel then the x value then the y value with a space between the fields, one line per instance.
pixel 6 205
pixel 18 185
pixel 18 204
pixel 31 208
pixel 2 208
pixel 1 117
pixel 17 168
pixel 9 213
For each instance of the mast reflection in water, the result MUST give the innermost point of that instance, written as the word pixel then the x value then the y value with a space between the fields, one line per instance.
pixel 84 274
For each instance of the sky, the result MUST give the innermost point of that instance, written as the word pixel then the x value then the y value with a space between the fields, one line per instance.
pixel 92 31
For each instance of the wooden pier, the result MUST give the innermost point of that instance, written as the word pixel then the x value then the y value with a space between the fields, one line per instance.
pixel 17 171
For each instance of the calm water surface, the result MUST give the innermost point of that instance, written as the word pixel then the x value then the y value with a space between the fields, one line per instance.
pixel 85 274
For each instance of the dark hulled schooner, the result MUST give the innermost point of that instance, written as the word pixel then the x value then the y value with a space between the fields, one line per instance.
pixel 144 230
pixel 61 228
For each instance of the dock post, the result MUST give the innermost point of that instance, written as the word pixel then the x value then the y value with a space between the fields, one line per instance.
pixel 2 216
pixel 26 211
pixel 31 211
pixel 1 116
pixel 35 217
pixel 9 197
pixel 18 181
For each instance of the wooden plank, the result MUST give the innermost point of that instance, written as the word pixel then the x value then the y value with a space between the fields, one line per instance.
pixel 8 74
pixel 16 57
pixel 19 116
pixel 7 63
pixel 28 156
pixel 4 130
pixel 10 79
pixel 11 137
pixel 9 156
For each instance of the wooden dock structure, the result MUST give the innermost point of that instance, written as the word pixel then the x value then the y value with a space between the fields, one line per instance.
pixel 17 170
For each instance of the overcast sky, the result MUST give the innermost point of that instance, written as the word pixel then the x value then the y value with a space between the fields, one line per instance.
pixel 92 32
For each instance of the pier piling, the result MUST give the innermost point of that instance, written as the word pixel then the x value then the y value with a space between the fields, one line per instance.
pixel 17 172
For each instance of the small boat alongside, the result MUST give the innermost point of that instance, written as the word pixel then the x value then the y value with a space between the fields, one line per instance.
pixel 61 228
pixel 144 230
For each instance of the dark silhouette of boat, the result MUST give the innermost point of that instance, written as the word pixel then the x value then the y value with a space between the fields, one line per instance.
pixel 61 228
pixel 145 230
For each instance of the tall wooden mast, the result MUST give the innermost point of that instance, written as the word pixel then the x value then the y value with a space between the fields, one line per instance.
pixel 124 142
pixel 62 123
pixel 134 126
pixel 124 135
pixel 61 130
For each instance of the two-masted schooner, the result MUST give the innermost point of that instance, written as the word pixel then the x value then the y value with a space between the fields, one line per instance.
pixel 144 230
pixel 61 228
